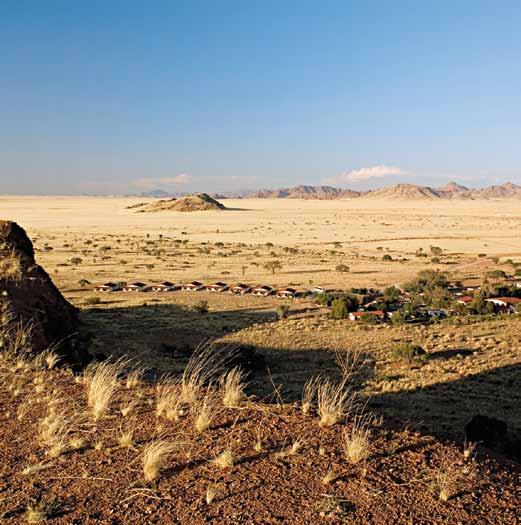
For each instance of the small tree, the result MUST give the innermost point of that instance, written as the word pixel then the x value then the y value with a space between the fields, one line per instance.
pixel 342 268
pixel 83 283
pixel 273 266
pixel 76 261
pixel 386 257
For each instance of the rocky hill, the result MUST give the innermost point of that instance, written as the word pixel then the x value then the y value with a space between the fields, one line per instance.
pixel 501 191
pixel 34 314
pixel 190 203
pixel 404 192
pixel 304 192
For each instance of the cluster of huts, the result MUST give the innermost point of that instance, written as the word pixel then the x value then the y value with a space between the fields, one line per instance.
pixel 262 290
pixel 462 295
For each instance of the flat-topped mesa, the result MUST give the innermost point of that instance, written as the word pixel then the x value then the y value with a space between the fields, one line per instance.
pixel 30 301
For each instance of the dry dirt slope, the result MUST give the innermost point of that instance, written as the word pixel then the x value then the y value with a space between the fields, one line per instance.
pixel 286 467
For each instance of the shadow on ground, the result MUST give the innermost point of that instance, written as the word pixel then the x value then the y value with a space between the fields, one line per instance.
pixel 163 336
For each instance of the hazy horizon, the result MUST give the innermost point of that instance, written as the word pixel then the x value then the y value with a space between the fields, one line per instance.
pixel 194 96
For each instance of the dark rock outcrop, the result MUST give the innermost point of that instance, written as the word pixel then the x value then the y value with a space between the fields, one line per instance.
pixel 493 433
pixel 29 299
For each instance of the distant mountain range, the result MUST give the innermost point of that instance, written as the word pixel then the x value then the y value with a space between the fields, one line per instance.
pixel 452 190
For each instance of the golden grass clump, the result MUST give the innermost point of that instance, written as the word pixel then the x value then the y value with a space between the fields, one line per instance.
pixel 204 366
pixel 205 411
pixel 309 394
pixel 11 265
pixel 334 401
pixel 35 513
pixel 356 440
pixel 232 385
pixel 154 456
pixel 54 432
pixel 134 378
pixel 225 459
pixel 101 380
pixel 168 399
pixel 126 438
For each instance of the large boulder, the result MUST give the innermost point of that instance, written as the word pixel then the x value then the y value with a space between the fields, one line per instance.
pixel 30 302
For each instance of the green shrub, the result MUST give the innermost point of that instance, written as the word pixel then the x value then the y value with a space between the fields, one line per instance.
pixel 386 257
pixel 342 268
pixel 282 311
pixel 339 308
pixel 201 307
pixel 409 353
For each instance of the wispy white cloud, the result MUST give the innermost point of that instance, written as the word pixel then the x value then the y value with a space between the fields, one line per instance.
pixel 156 182
pixel 371 172
pixel 185 180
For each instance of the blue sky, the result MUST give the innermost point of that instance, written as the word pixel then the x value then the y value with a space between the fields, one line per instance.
pixel 111 97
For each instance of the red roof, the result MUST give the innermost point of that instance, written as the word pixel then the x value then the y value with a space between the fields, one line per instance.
pixel 377 313
pixel 506 300
pixel 464 299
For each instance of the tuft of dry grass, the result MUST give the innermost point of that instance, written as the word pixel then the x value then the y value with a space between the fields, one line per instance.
pixel 154 456
pixel 309 394
pixel 225 459
pixel 168 399
pixel 11 265
pixel 334 401
pixel 328 478
pixel 214 491
pixel 205 411
pixel 356 440
pixel 35 513
pixel 204 366
pixel 128 407
pixel 102 382
pixel 134 377
pixel 232 385
pixel 54 432
pixel 126 438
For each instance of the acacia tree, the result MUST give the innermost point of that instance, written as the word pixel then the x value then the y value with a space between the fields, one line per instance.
pixel 273 266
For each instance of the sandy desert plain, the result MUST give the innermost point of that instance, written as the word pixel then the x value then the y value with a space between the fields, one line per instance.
pixel 288 467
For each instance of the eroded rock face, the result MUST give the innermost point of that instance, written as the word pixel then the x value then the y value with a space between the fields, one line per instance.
pixel 28 297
